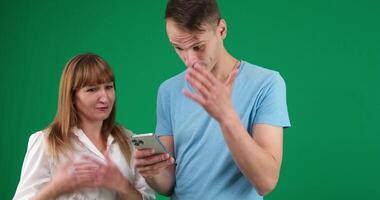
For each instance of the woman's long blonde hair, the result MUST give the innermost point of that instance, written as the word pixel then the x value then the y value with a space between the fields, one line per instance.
pixel 80 71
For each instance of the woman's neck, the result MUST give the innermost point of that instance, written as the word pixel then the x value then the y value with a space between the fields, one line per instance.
pixel 93 131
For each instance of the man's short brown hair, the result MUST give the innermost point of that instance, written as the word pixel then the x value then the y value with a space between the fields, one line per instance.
pixel 192 14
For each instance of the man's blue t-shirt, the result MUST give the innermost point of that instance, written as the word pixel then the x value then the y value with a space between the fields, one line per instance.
pixel 205 168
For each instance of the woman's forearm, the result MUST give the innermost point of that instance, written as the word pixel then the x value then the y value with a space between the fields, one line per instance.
pixel 164 181
pixel 127 191
pixel 49 191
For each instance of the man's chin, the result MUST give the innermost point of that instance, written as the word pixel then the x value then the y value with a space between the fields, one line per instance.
pixel 204 66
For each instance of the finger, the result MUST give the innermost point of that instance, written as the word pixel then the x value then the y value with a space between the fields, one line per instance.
pixel 143 153
pixel 98 181
pixel 83 177
pixel 200 88
pixel 157 166
pixel 86 169
pixel 150 174
pixel 83 171
pixel 86 164
pixel 85 181
pixel 71 156
pixel 102 171
pixel 199 77
pixel 69 162
pixel 67 165
pixel 91 160
pixel 194 97
pixel 107 157
pixel 206 74
pixel 141 163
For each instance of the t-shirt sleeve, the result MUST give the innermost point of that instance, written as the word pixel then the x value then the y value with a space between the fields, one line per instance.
pixel 272 108
pixel 35 172
pixel 163 125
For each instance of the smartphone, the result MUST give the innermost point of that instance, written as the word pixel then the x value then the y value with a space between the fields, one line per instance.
pixel 148 140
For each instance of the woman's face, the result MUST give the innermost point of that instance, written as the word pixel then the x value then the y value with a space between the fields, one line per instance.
pixel 94 103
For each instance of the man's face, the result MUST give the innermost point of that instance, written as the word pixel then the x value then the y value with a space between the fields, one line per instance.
pixel 196 48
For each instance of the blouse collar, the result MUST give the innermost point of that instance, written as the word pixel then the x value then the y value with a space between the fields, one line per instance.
pixel 86 142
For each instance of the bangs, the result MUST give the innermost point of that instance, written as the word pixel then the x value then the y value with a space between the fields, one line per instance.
pixel 92 71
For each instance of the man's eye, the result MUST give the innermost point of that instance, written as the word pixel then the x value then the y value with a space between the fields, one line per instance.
pixel 178 48
pixel 198 48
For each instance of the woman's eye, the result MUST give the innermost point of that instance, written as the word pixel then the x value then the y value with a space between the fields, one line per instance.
pixel 109 87
pixel 91 90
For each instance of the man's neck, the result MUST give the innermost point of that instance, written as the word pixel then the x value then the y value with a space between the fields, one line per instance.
pixel 224 66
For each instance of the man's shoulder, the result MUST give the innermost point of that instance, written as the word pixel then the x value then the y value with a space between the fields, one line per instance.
pixel 257 71
pixel 258 75
pixel 174 82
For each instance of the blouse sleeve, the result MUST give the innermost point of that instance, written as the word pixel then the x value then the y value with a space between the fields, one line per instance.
pixel 35 171
pixel 142 186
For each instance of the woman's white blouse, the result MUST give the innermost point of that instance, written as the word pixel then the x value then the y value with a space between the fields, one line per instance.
pixel 38 168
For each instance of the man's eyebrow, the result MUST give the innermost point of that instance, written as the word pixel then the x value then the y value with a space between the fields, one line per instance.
pixel 198 43
pixel 195 44
pixel 174 44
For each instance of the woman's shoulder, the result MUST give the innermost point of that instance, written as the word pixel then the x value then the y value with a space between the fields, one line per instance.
pixel 37 147
pixel 126 132
pixel 38 138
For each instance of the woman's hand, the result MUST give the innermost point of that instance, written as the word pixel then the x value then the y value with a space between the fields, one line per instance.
pixel 109 176
pixel 70 177
pixel 149 164
pixel 75 175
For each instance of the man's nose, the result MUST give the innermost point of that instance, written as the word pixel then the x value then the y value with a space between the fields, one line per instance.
pixel 190 58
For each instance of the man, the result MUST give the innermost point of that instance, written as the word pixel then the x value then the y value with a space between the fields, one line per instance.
pixel 222 118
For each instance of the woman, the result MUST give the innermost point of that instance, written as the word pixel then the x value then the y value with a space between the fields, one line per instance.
pixel 83 154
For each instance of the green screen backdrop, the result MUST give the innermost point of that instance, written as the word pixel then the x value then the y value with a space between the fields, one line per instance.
pixel 328 51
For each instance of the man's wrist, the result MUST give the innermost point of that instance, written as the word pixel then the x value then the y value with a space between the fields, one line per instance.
pixel 229 119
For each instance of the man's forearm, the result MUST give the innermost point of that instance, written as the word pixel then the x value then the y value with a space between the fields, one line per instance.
pixel 258 165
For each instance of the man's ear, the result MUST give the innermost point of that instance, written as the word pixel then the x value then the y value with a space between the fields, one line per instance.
pixel 222 28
